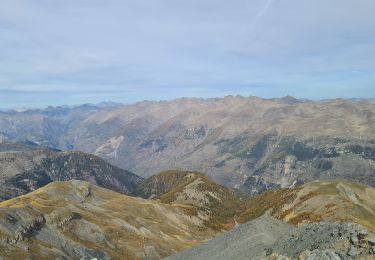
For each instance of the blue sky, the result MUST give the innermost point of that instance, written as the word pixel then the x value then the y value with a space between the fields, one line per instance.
pixel 55 52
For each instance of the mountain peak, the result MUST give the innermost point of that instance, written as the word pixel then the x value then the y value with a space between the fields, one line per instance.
pixel 290 100
pixel 218 203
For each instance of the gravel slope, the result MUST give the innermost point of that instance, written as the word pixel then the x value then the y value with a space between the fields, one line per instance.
pixel 251 239
pixel 270 239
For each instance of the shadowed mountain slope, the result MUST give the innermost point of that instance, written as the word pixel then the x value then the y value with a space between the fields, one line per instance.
pixel 26 167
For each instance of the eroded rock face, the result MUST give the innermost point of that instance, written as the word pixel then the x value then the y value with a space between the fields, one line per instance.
pixel 24 230
pixel 70 217
pixel 294 161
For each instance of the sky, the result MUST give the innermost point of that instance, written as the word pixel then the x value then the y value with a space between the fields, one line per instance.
pixel 55 52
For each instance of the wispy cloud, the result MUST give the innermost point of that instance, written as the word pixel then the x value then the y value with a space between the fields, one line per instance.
pixel 263 10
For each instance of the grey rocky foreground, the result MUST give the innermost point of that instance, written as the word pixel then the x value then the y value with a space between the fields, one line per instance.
pixel 252 239
pixel 330 240
pixel 271 239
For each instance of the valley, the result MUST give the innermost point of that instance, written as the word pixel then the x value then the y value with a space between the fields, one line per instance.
pixel 76 219
pixel 252 144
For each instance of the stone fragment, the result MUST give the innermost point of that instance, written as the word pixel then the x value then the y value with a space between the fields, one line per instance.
pixel 354 239
pixel 352 251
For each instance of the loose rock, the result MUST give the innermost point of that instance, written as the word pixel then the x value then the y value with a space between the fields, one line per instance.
pixel 353 251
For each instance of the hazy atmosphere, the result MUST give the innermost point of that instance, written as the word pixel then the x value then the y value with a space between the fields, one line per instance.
pixel 80 51
pixel 187 129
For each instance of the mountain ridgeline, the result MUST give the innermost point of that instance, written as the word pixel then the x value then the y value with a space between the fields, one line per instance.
pixel 249 143
pixel 78 220
pixel 322 220
pixel 216 205
pixel 25 167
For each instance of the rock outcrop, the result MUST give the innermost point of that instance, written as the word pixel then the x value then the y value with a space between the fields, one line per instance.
pixel 25 231
pixel 326 240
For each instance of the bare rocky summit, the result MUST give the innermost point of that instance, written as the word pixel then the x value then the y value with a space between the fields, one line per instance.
pixel 329 240
pixel 271 239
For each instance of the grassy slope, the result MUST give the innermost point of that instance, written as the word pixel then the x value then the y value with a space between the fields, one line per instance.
pixel 217 204
pixel 335 200
pixel 190 208
pixel 316 201
pixel 122 226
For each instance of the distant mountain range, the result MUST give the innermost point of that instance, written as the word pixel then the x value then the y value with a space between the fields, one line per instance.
pixel 249 143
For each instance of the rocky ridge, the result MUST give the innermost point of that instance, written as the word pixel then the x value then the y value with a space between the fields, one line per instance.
pixel 270 239
pixel 336 241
